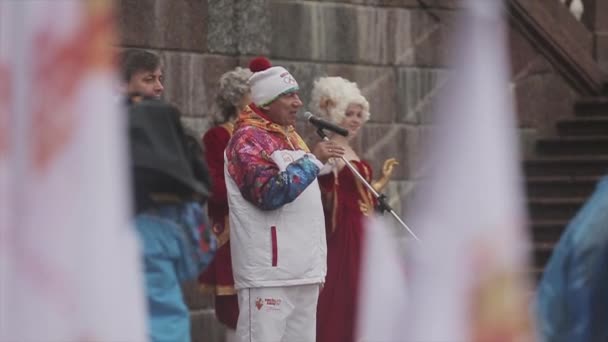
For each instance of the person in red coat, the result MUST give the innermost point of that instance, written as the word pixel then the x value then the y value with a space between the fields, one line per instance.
pixel 232 97
pixel 345 202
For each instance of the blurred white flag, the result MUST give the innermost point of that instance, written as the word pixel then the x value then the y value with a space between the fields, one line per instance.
pixel 69 260
pixel 382 290
pixel 467 277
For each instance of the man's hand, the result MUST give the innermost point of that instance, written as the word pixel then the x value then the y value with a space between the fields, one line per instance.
pixel 328 149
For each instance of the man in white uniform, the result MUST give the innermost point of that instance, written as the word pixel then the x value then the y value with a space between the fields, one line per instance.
pixel 277 225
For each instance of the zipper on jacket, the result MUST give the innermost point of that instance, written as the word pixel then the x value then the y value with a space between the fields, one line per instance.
pixel 273 239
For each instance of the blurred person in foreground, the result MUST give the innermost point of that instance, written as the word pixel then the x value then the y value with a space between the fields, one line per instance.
pixel 277 228
pixel 346 202
pixel 233 96
pixel 170 186
pixel 572 297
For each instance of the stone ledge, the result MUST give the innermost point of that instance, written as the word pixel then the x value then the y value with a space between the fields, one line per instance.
pixel 601 50
pixel 601 12
pixel 195 298
pixel 417 91
pixel 191 79
pixel 442 4
pixel 379 142
pixel 162 24
pixel 232 29
pixel 565 42
pixel 397 194
pixel 367 35
pixel 205 327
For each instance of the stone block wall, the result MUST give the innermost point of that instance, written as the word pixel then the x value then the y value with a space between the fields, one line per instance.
pixel 393 49
pixel 595 18
pixel 600 15
pixel 542 95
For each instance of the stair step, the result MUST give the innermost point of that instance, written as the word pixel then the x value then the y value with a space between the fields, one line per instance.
pixel 547 209
pixel 573 166
pixel 542 254
pixel 597 126
pixel 548 231
pixel 559 182
pixel 560 186
pixel 589 145
pixel 596 106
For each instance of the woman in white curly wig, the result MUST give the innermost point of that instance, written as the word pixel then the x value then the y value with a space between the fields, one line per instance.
pixel 346 201
pixel 232 97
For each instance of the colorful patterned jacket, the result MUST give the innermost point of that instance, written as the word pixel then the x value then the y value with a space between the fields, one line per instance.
pixel 170 236
pixel 277 225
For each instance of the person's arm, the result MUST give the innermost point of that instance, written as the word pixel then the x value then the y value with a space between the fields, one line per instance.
pixel 259 178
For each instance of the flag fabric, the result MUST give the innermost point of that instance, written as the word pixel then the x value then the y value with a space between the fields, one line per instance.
pixel 382 291
pixel 69 256
pixel 467 278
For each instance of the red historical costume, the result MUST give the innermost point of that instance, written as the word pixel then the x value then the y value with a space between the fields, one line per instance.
pixel 218 278
pixel 346 202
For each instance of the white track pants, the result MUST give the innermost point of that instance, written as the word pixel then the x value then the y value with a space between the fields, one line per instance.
pixel 274 314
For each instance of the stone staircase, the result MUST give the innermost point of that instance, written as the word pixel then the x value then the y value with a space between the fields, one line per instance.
pixel 564 173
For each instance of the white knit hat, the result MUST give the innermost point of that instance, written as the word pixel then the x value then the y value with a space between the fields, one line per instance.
pixel 268 83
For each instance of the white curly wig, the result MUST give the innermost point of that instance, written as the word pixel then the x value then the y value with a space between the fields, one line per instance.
pixel 332 95
pixel 232 87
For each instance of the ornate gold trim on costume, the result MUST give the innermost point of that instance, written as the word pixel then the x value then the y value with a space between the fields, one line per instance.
pixel 334 209
pixel 206 288
pixel 229 126
pixel 366 201
pixel 218 290
pixel 166 198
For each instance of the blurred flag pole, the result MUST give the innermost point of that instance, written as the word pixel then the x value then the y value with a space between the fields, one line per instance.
pixel 382 286
pixel 468 283
pixel 69 258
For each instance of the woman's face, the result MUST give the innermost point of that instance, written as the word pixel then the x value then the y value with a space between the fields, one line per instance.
pixel 353 119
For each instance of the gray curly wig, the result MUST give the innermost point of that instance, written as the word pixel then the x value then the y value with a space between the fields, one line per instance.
pixel 232 88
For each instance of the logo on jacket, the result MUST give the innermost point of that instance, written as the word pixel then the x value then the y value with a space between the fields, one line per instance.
pixel 287 158
pixel 259 303
pixel 275 302
pixel 270 303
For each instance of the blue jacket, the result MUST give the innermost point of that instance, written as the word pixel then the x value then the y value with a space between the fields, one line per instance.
pixel 572 299
pixel 170 240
